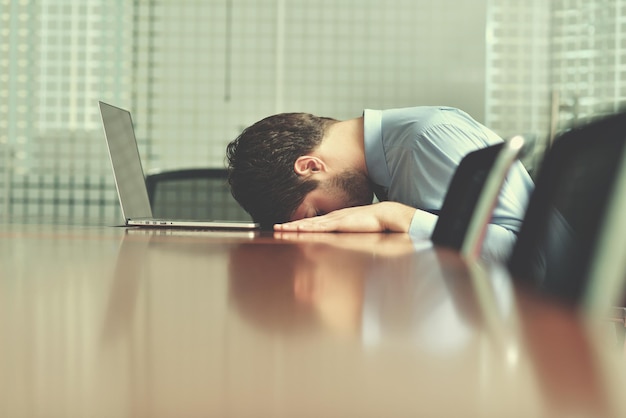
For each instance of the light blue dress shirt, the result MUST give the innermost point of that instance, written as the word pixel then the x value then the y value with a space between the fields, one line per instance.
pixel 412 153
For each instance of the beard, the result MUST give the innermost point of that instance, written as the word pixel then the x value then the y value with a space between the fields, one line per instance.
pixel 354 186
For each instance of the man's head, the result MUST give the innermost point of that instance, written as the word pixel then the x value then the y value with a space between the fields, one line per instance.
pixel 261 165
pixel 347 188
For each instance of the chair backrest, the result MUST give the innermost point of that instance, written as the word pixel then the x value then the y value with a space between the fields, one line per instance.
pixel 197 193
pixel 607 285
pixel 559 238
pixel 472 195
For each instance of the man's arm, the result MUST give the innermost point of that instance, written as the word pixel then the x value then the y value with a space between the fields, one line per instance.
pixel 378 217
pixel 498 243
pixel 395 217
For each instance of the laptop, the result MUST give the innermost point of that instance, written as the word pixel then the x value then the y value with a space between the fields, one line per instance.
pixel 130 181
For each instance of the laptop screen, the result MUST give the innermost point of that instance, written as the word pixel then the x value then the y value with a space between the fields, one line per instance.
pixel 129 178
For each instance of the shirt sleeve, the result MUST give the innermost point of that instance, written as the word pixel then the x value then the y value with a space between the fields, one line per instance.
pixel 497 244
pixel 422 224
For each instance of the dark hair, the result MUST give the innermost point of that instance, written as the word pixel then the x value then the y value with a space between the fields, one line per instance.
pixel 261 164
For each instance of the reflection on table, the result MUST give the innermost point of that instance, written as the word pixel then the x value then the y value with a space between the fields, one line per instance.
pixel 102 321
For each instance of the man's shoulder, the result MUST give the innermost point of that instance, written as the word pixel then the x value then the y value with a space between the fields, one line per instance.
pixel 434 114
pixel 424 120
pixel 420 119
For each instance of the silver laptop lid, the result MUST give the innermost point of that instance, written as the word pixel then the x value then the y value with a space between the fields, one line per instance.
pixel 127 169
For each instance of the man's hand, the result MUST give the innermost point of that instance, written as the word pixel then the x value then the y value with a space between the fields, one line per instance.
pixel 378 217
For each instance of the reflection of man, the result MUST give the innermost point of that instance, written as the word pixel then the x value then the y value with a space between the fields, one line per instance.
pixel 320 172
pixel 348 285
pixel 294 288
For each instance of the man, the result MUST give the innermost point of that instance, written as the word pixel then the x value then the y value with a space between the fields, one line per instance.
pixel 299 172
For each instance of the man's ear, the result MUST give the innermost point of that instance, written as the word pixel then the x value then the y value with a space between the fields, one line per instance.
pixel 307 165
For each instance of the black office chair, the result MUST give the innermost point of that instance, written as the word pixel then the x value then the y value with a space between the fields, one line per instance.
pixel 567 219
pixel 472 195
pixel 199 193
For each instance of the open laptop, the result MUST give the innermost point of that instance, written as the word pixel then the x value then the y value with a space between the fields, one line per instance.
pixel 130 181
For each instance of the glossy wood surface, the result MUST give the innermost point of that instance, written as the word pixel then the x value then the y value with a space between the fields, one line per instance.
pixel 116 322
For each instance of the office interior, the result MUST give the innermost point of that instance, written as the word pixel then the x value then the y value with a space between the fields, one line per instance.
pixel 105 321
pixel 195 73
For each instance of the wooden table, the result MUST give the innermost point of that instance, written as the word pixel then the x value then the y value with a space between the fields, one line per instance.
pixel 116 322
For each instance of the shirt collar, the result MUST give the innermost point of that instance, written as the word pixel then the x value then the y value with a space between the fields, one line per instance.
pixel 374 151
